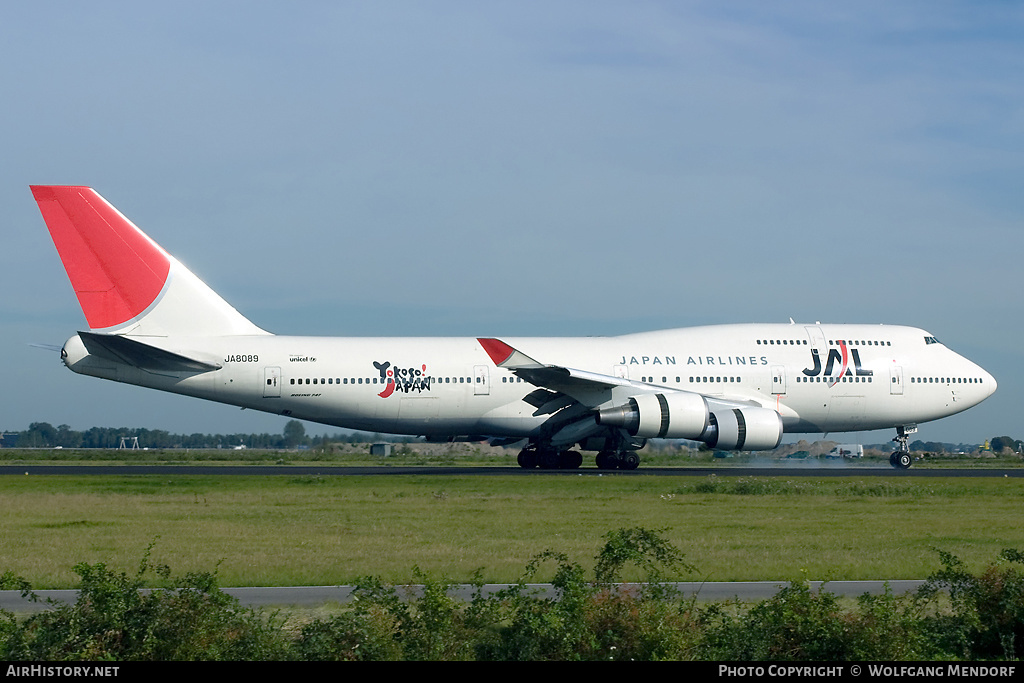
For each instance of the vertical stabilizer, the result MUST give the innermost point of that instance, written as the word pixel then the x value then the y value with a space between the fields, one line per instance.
pixel 125 282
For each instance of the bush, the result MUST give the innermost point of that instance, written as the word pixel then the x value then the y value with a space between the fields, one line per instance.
pixel 794 625
pixel 115 618
pixel 593 620
pixel 800 625
pixel 956 614
pixel 384 625
pixel 985 619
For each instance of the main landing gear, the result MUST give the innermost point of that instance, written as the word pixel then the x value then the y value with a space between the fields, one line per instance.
pixel 549 458
pixel 617 460
pixel 554 459
pixel 900 458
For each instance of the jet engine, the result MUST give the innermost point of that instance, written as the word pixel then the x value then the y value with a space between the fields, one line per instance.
pixel 744 429
pixel 659 416
pixel 686 416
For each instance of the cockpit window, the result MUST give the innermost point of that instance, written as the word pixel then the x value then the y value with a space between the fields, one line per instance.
pixel 931 340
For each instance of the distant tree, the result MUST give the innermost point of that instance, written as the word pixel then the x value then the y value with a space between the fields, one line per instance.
pixel 294 434
pixel 1001 442
pixel 39 435
pixel 67 437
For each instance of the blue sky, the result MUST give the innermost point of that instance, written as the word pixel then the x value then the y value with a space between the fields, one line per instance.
pixel 528 168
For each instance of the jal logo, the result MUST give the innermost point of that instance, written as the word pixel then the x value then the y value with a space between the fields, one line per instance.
pixel 840 356
pixel 402 379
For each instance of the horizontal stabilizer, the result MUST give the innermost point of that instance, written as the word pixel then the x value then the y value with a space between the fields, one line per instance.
pixel 143 356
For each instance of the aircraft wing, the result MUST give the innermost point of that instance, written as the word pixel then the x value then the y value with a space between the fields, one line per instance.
pixel 592 389
pixel 588 388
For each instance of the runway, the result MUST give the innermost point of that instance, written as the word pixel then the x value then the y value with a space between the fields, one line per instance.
pixel 464 471
pixel 314 596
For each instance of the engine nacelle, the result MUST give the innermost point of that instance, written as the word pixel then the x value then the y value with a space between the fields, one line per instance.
pixel 744 429
pixel 677 415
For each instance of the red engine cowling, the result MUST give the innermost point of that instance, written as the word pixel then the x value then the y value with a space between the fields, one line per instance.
pixel 744 429
pixel 678 415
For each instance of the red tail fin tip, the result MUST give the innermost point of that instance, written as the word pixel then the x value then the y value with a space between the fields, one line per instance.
pixel 117 272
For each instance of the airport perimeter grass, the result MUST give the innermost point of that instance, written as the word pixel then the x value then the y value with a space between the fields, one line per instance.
pixel 308 530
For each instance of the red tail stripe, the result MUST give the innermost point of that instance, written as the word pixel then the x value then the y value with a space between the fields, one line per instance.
pixel 116 271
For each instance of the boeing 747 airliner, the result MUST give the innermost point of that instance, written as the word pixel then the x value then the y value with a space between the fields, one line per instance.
pixel 734 387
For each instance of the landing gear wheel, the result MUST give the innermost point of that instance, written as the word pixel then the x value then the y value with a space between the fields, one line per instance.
pixel 548 459
pixel 570 460
pixel 900 459
pixel 630 461
pixel 527 459
pixel 607 460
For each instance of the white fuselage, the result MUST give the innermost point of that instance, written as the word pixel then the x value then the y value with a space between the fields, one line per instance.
pixel 820 378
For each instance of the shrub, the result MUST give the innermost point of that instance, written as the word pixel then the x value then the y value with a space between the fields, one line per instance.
pixel 593 620
pixel 800 625
pixel 985 619
pixel 887 628
pixel 384 625
pixel 794 625
pixel 956 614
pixel 368 635
pixel 115 618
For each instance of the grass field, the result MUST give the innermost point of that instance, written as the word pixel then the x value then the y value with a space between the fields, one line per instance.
pixel 286 530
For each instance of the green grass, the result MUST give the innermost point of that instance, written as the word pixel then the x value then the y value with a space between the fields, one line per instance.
pixel 301 530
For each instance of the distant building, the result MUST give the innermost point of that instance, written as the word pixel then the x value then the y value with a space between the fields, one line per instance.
pixel 9 440
pixel 846 450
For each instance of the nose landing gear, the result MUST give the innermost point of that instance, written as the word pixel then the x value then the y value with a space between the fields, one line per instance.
pixel 900 458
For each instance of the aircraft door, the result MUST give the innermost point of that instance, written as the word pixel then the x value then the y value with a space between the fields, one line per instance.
pixel 271 382
pixel 896 380
pixel 481 383
pixel 817 338
pixel 779 380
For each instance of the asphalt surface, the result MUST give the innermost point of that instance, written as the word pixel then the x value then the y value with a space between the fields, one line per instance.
pixel 313 596
pixel 439 471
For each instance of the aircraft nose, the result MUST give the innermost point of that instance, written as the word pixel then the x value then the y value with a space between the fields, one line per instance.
pixel 989 382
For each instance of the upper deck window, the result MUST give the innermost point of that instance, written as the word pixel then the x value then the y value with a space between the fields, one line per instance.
pixel 931 340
